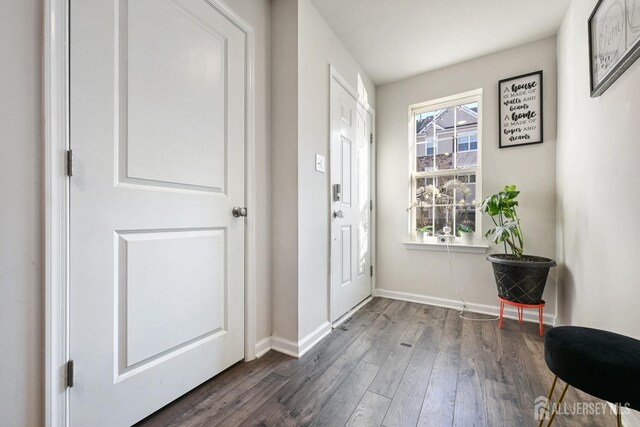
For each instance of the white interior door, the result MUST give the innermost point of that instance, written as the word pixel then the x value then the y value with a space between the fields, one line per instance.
pixel 350 201
pixel 156 256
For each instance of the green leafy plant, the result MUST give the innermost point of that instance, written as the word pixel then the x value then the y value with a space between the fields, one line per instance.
pixel 462 228
pixel 427 229
pixel 501 208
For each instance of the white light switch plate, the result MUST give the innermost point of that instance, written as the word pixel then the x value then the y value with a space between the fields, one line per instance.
pixel 320 163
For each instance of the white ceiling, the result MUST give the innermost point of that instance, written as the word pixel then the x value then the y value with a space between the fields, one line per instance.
pixel 394 39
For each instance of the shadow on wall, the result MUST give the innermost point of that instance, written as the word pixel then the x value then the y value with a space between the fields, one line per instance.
pixel 565 280
pixel 566 292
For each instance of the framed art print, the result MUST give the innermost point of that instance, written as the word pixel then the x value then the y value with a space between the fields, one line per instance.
pixel 614 41
pixel 520 110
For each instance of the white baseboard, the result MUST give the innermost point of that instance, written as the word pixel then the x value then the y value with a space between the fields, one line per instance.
pixel 263 346
pixel 292 348
pixel 351 312
pixel 284 345
pixel 307 343
pixel 492 310
pixel 630 418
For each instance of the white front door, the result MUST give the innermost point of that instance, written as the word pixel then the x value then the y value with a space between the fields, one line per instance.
pixel 350 201
pixel 157 96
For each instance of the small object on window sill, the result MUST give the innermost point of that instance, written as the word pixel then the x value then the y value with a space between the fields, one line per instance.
pixel 453 247
pixel 446 239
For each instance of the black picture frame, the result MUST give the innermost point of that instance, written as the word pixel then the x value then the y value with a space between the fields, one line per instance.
pixel 627 49
pixel 540 103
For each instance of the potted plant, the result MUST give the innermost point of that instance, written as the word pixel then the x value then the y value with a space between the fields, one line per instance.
pixel 466 234
pixel 423 232
pixel 520 278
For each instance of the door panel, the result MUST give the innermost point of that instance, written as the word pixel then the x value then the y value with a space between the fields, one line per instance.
pixel 350 242
pixel 345 238
pixel 345 178
pixel 152 307
pixel 157 259
pixel 175 88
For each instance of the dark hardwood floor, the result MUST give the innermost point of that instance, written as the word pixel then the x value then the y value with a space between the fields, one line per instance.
pixel 394 364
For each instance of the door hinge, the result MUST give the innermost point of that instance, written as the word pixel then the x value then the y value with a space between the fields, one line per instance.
pixel 371 270
pixel 70 373
pixel 371 204
pixel 371 138
pixel 69 162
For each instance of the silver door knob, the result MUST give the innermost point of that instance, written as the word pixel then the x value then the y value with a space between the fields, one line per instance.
pixel 238 212
pixel 338 214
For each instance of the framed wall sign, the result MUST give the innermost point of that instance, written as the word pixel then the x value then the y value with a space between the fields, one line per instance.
pixel 614 41
pixel 520 110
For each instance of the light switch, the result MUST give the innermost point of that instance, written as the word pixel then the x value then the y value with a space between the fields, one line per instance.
pixel 320 163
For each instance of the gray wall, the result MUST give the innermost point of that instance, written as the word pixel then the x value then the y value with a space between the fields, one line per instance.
pixel 257 14
pixel 303 48
pixel 21 215
pixel 532 168
pixel 598 183
pixel 284 110
pixel 318 47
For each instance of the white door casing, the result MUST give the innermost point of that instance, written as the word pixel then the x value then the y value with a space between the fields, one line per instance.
pixel 157 273
pixel 350 150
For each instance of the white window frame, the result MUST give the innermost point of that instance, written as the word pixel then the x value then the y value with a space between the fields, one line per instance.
pixel 414 175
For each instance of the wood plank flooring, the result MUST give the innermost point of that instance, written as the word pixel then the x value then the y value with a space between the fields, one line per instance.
pixel 393 363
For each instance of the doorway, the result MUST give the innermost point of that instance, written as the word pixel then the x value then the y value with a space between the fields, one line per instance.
pixel 351 198
pixel 155 292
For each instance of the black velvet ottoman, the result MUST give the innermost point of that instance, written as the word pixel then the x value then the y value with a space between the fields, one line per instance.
pixel 604 364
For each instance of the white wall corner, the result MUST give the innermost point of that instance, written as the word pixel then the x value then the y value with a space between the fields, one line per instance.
pixel 308 342
pixel 285 346
pixel 492 310
pixel 263 346
pixel 297 349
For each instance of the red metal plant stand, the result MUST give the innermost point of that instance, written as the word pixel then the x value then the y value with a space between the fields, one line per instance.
pixel 521 308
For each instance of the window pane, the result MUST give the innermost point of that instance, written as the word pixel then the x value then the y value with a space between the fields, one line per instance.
pixel 467 155
pixel 430 147
pixel 424 191
pixel 446 190
pixel 467 131
pixel 447 140
pixel 444 128
pixel 466 190
pixel 465 201
pixel 467 115
pixel 424 220
pixel 425 135
pixel 466 218
pixel 443 218
pixel 425 159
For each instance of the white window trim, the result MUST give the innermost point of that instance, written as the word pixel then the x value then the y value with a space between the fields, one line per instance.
pixel 436 104
pixel 441 247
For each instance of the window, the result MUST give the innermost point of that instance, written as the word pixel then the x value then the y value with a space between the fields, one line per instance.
pixel 468 142
pixel 445 165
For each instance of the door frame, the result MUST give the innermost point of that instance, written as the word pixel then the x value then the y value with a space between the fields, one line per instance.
pixel 334 74
pixel 56 200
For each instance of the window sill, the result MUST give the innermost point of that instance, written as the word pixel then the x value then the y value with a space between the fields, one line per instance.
pixel 441 247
